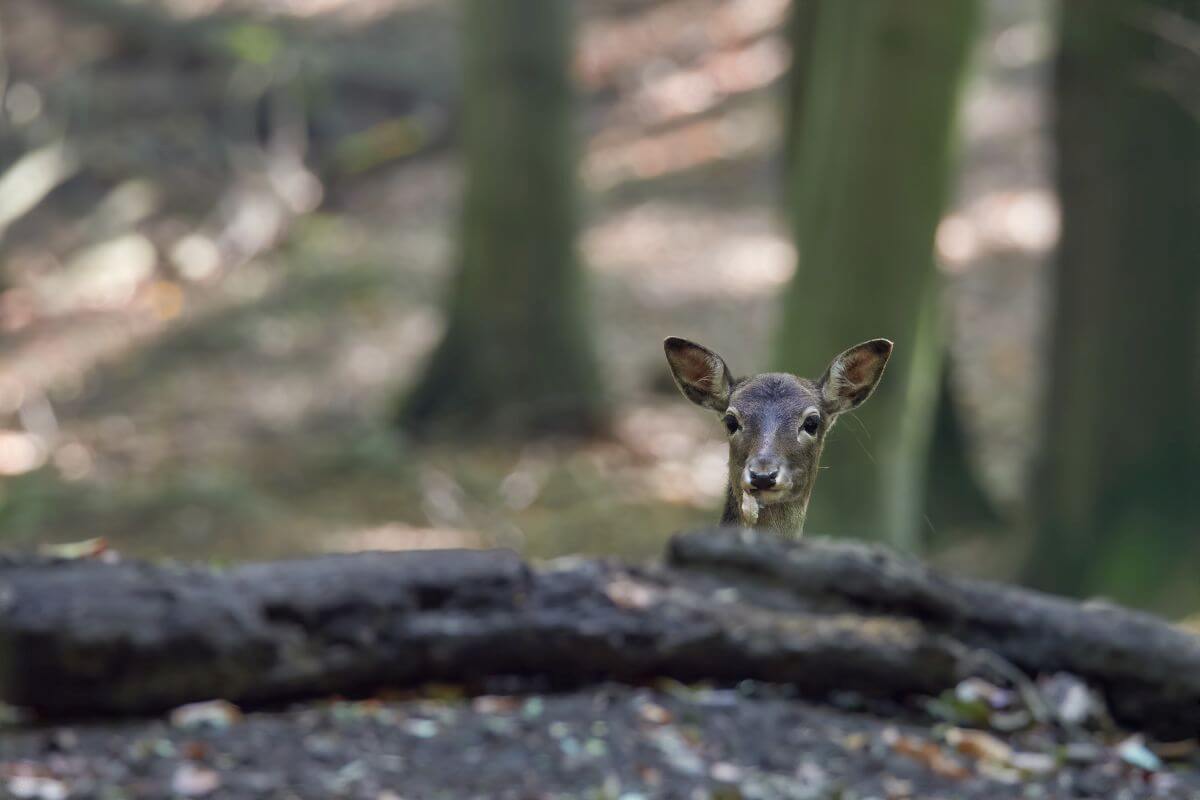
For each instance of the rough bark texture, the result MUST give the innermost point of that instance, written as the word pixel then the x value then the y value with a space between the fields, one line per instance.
pixel 1121 447
pixel 873 164
pixel 1149 669
pixel 86 637
pixel 516 358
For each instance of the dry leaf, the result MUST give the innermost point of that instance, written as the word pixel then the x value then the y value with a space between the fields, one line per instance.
pixel 495 704
pixel 655 714
pixel 926 753
pixel 88 548
pixel 217 713
pixel 191 780
pixel 979 745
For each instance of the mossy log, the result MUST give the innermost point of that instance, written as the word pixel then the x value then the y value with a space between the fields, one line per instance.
pixel 85 637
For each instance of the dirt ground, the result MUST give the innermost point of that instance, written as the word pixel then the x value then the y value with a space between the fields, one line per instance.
pixel 668 741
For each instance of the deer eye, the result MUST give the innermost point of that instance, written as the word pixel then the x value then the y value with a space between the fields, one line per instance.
pixel 810 424
pixel 731 423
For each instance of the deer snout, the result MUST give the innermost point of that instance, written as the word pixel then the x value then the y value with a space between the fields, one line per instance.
pixel 763 476
pixel 763 480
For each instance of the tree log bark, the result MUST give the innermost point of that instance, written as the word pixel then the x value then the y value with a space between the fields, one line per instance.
pixel 84 637
pixel 1148 668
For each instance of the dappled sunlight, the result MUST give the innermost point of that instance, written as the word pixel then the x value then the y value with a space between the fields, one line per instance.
pixel 691 145
pixel 678 458
pixel 672 253
pixel 20 452
pixel 610 49
pixel 101 277
pixel 998 223
pixel 26 183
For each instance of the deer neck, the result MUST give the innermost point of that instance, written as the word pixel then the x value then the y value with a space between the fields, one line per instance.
pixel 786 519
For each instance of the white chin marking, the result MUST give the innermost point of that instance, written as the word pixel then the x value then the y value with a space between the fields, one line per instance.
pixel 764 498
pixel 749 509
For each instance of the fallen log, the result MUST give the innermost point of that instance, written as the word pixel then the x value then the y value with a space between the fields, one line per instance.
pixel 84 637
pixel 1148 668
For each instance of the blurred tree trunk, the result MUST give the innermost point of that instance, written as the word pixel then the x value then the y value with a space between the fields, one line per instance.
pixel 516 359
pixel 1118 494
pixel 955 500
pixel 801 33
pixel 874 161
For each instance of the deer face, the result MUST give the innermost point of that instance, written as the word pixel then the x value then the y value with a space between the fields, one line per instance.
pixel 776 422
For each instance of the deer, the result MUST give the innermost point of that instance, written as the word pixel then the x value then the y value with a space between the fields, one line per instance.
pixel 776 423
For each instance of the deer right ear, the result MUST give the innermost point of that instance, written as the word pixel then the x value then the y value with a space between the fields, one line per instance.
pixel 699 373
pixel 854 374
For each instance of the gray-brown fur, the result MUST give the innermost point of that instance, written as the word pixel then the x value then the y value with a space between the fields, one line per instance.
pixel 776 424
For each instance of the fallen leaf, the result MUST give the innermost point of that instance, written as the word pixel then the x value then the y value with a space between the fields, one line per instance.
pixel 979 745
pixel 88 548
pixel 654 713
pixel 215 713
pixel 1134 751
pixel 926 753
pixel 191 780
pixel 495 704
pixel 1072 701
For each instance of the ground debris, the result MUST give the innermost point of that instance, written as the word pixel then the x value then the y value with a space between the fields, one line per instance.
pixel 673 740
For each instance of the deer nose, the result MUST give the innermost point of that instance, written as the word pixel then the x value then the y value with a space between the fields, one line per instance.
pixel 763 480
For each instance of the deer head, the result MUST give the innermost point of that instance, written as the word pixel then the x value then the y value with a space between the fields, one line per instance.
pixel 776 423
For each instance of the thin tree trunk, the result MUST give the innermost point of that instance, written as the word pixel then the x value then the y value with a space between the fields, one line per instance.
pixel 1118 492
pixel 875 156
pixel 955 500
pixel 516 358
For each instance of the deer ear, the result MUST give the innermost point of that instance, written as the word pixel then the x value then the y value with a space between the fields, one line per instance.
pixel 699 373
pixel 854 374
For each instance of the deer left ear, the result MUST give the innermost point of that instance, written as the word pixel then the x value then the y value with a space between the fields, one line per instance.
pixel 854 374
pixel 700 373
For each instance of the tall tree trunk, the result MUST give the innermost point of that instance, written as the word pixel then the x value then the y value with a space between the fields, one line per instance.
pixel 801 33
pixel 875 155
pixel 516 358
pixel 1118 492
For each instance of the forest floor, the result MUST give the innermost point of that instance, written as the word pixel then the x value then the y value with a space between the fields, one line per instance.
pixel 204 333
pixel 610 743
